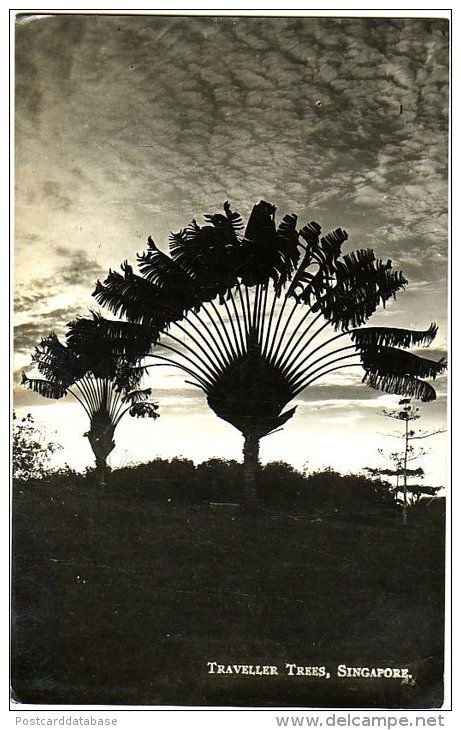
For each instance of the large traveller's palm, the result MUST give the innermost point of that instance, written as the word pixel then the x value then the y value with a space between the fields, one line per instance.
pixel 246 312
pixel 101 367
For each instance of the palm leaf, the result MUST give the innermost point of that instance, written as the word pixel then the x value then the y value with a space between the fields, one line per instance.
pixel 362 284
pixel 394 336
pixel 138 300
pixel 44 387
pixel 268 253
pixel 144 410
pixel 166 274
pixel 288 240
pixel 311 235
pixel 400 385
pixel 211 255
pixel 107 339
pixel 137 396
pixel 392 361
pixel 234 219
pixel 318 268
pixel 56 362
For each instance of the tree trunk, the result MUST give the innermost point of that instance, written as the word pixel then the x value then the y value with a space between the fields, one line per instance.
pixel 102 472
pixel 404 516
pixel 102 444
pixel 250 467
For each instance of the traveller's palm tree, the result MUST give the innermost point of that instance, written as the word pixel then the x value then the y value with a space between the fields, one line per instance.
pixel 101 367
pixel 245 313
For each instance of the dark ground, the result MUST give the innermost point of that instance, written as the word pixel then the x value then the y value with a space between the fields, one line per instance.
pixel 121 597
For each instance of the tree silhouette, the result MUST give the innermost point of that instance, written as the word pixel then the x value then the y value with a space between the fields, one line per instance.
pixel 406 413
pixel 101 367
pixel 31 452
pixel 413 492
pixel 244 312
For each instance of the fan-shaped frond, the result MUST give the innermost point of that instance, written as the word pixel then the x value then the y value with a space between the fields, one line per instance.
pixel 252 356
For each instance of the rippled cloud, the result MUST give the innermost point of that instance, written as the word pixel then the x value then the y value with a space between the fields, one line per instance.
pixel 133 125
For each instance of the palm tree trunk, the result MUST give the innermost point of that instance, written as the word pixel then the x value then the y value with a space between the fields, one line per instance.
pixel 250 467
pixel 102 443
pixel 102 471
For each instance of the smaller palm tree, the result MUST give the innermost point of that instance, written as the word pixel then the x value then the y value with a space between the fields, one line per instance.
pixel 101 367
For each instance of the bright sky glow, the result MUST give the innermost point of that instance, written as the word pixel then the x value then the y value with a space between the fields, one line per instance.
pixel 132 126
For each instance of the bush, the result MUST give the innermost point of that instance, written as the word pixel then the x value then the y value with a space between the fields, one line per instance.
pixel 219 480
pixel 280 483
pixel 352 493
pixel 279 486
pixel 31 455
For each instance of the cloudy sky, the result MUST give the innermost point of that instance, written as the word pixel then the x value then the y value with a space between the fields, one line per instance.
pixel 129 126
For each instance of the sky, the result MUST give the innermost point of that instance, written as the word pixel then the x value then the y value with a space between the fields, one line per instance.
pixel 130 126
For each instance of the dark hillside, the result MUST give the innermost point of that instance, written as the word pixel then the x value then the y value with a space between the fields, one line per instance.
pixel 122 595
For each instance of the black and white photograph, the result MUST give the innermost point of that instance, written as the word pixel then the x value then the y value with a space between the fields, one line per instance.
pixel 230 458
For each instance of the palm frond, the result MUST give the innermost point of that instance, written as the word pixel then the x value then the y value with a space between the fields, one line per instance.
pixel 100 339
pixel 406 385
pixel 166 274
pixel 235 219
pixel 390 360
pixel 144 410
pixel 44 387
pixel 209 255
pixel 288 240
pixel 56 362
pixel 362 284
pixel 138 300
pixel 268 253
pixel 331 243
pixel 394 336
pixel 137 396
pixel 311 235
pixel 318 267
